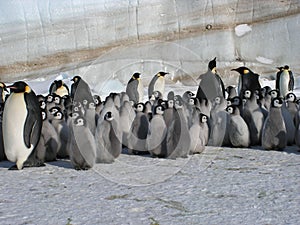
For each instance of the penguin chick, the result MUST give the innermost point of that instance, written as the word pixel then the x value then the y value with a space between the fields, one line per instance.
pixel 157 134
pixel 82 145
pixel 239 135
pixel 199 135
pixel 274 130
pixel 47 147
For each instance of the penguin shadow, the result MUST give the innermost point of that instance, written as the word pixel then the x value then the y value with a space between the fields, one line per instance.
pixel 6 164
pixel 61 163
pixel 294 149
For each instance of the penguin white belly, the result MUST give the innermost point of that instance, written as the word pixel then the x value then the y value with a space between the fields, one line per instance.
pixel 284 83
pixel 141 91
pixel 14 117
pixel 160 85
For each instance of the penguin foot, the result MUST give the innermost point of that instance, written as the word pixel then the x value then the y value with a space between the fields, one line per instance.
pixel 33 163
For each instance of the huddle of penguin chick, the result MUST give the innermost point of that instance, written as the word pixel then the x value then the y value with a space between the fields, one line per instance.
pixel 79 126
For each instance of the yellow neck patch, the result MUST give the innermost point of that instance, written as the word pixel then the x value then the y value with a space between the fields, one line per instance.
pixel 27 89
pixel 246 71
pixel 214 70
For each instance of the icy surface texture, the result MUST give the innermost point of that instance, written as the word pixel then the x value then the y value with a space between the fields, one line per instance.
pixel 117 38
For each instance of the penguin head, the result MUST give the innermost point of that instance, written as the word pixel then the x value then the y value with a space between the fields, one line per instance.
pixel 236 101
pixel 140 107
pixel 58 83
pixel 19 87
pixel 203 118
pixel 178 102
pixel 157 94
pixel 212 65
pixel 97 100
pixel 233 110
pixel 91 105
pixel 247 94
pixel 191 101
pixel 286 67
pixel 265 90
pixel 217 100
pixel 159 110
pixel 79 121
pixel 170 103
pixel 108 116
pixel 274 93
pixel 57 99
pixel 276 102
pixel 161 74
pixel 291 97
pixel 50 98
pixel 58 115
pixel 42 104
pixel 171 95
pixel 136 76
pixel 242 70
pixel 54 110
pixel 74 115
pixel 76 79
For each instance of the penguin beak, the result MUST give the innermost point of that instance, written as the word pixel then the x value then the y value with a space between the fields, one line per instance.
pixel 11 87
pixel 233 70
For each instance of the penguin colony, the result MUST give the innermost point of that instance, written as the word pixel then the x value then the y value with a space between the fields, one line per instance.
pixel 76 125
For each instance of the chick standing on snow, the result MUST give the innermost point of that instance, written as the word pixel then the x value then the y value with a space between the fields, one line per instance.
pixel 239 135
pixel 157 134
pixel 274 130
pixel 199 135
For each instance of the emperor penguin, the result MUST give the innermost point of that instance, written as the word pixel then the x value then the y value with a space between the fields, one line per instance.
pixel 253 117
pixel 211 84
pixel 248 80
pixel 157 84
pixel 127 115
pixel 199 135
pixel 135 88
pixel 80 90
pixel 156 139
pixel 22 124
pixel 82 145
pixel 239 134
pixel 284 80
pixel 291 105
pixel 59 87
pixel 231 91
pixel 108 139
pixel 47 147
pixel 274 131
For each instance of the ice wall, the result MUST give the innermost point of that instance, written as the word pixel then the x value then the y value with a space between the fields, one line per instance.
pixel 107 39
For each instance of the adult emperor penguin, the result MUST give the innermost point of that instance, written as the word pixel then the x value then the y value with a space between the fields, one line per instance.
pixel 22 124
pixel 284 80
pixel 274 130
pixel 211 84
pixel 157 84
pixel 248 81
pixel 239 134
pixel 80 90
pixel 59 87
pixel 135 88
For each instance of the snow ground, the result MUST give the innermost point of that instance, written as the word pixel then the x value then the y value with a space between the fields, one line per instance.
pixel 220 186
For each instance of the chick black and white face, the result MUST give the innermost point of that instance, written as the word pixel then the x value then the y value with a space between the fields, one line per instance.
pixel 277 102
pixel 236 101
pixel 42 104
pixel 230 109
pixel 44 115
pixel 57 100
pixel 218 100
pixel 79 121
pixel 140 107
pixel 170 104
pixel 291 97
pixel 49 98
pixel 54 110
pixel 58 115
pixel 203 119
pixel 74 115
pixel 159 110
pixel 92 105
pixel 191 101
pixel 274 94
pixel 247 94
pixel 108 116
pixel 85 102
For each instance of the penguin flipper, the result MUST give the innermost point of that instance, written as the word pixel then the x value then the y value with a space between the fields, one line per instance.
pixel 33 123
pixel 277 80
pixel 52 88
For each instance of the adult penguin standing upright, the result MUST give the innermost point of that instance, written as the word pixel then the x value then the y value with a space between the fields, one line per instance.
pixel 284 80
pixel 135 89
pixel 80 90
pixel 59 88
pixel 157 84
pixel 211 84
pixel 248 81
pixel 22 124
